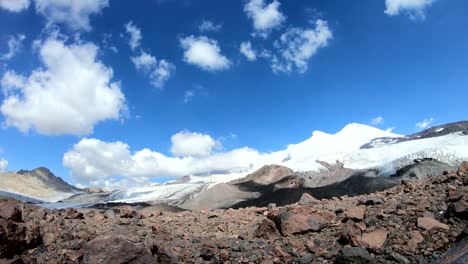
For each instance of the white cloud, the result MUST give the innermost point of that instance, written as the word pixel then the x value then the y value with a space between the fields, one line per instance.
pixel 15 44
pixel 135 35
pixel 425 123
pixel 70 94
pixel 266 17
pixel 296 46
pixel 95 162
pixel 206 26
pixel 188 95
pixel 187 143
pixel 74 14
pixel 377 121
pixel 159 72
pixel 144 61
pixel 204 53
pixel 14 5
pixel 414 8
pixel 247 51
pixel 3 165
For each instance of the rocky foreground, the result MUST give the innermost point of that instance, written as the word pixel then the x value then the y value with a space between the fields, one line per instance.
pixel 420 221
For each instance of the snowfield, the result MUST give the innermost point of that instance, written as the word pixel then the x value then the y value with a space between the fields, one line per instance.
pixel 345 146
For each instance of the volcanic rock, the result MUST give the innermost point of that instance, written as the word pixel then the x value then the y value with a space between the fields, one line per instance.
pixel 9 210
pixel 354 255
pixel 114 249
pixel 356 213
pixel 431 224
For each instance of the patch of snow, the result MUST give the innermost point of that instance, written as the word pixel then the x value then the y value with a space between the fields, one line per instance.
pixel 439 129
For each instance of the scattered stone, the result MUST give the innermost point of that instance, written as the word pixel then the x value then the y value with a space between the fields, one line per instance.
pixel 373 240
pixel 431 224
pixel 356 213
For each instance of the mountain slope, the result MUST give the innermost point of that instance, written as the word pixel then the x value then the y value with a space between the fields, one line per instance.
pixel 38 184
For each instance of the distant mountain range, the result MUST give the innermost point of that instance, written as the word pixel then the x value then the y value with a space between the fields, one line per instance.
pixel 355 160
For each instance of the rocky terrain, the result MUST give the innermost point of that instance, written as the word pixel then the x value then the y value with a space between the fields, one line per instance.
pixel 416 221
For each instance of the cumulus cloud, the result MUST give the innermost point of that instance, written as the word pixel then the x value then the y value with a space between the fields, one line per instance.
pixel 74 14
pixel 187 143
pixel 297 45
pixel 204 53
pixel 3 165
pixel 266 17
pixel 159 72
pixel 377 121
pixel 414 8
pixel 70 94
pixel 135 35
pixel 247 51
pixel 206 26
pixel 425 123
pixel 96 162
pixel 15 44
pixel 14 5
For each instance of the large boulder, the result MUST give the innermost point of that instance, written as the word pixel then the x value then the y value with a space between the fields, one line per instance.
pixel 10 210
pixel 115 249
pixel 298 222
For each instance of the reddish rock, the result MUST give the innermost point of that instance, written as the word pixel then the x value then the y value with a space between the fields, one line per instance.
pixel 356 213
pixel 373 240
pixel 431 224
pixel 114 249
pixel 265 228
pixel 290 223
pixel 10 210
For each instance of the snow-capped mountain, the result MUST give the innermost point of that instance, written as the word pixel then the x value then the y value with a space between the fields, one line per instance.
pixel 356 146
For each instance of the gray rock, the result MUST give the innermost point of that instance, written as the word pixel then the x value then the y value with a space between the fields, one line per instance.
pixel 354 255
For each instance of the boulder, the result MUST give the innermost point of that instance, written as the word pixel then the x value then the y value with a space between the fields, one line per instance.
pixel 431 224
pixel 354 255
pixel 289 223
pixel 114 249
pixel 10 210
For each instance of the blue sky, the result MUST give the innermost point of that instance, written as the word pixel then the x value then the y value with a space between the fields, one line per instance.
pixel 76 81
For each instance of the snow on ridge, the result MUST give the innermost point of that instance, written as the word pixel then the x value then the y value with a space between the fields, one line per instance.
pixel 343 146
